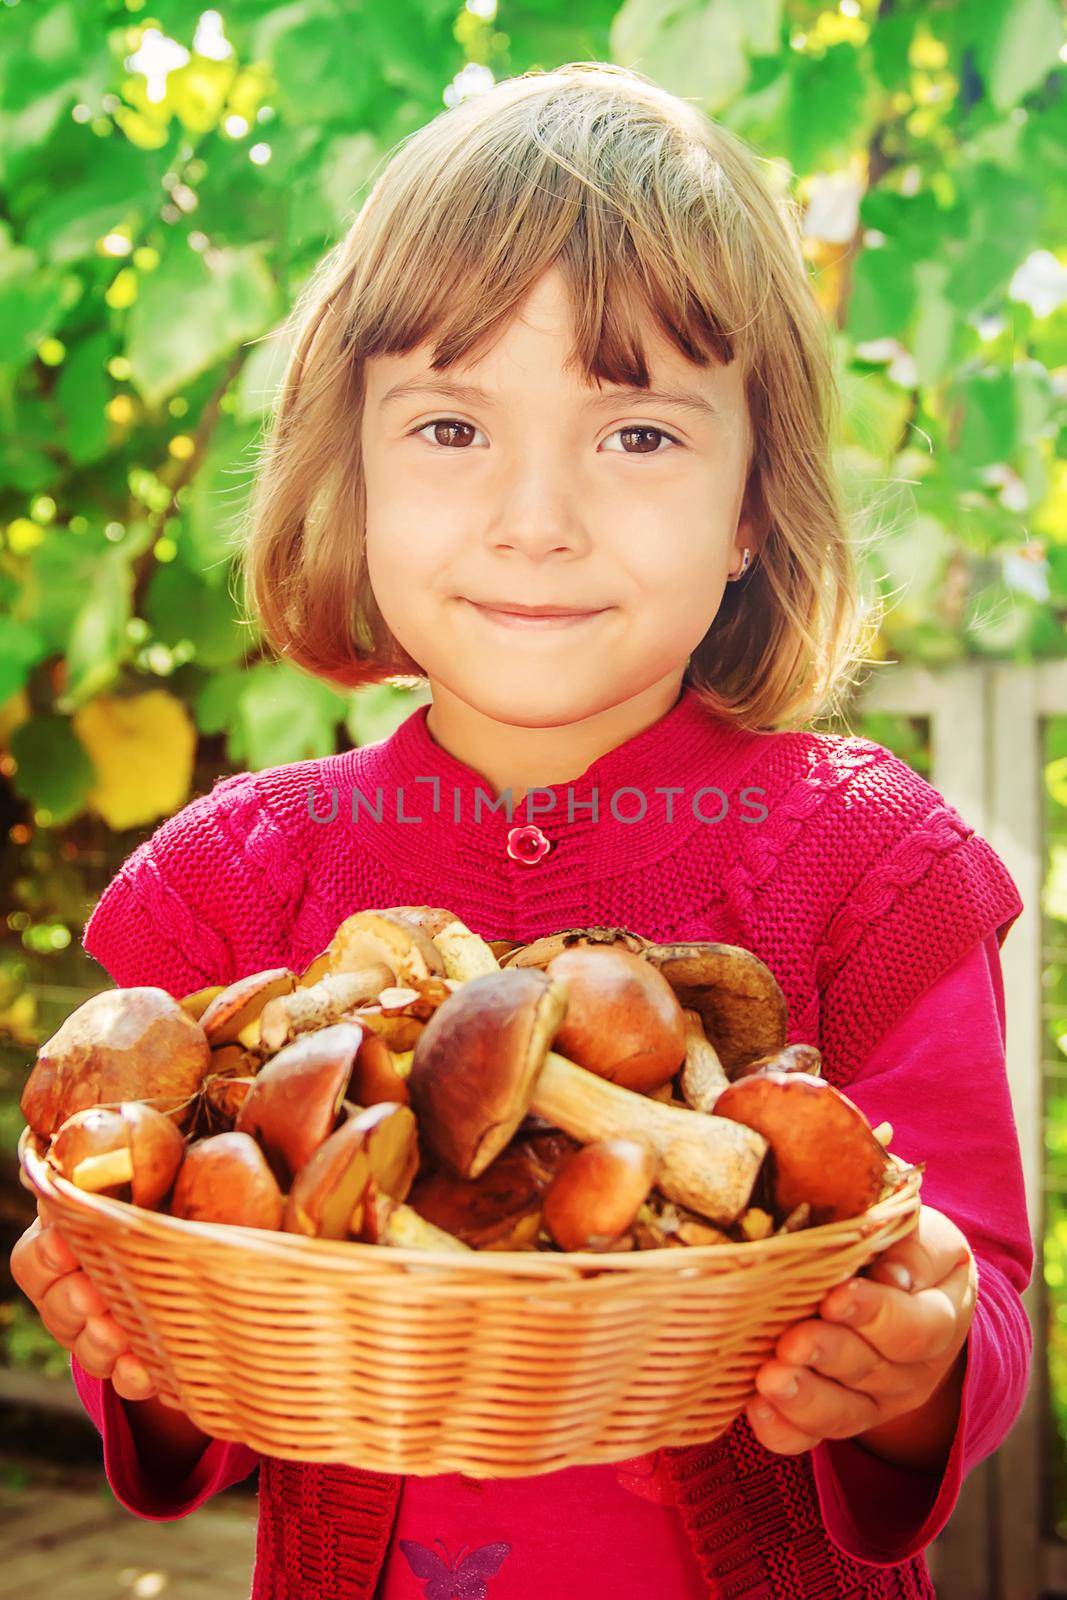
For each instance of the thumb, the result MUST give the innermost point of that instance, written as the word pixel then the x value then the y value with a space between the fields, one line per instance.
pixel 925 1256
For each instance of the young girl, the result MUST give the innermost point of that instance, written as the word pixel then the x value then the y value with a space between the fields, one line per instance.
pixel 566 361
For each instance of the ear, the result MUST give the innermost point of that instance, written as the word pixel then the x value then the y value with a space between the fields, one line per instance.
pixel 752 518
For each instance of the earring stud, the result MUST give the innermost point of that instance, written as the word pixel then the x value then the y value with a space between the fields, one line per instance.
pixel 742 569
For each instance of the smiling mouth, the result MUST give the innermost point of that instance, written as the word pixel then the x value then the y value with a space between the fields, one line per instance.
pixel 523 620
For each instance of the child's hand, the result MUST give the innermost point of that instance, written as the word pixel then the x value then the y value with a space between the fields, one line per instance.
pixel 72 1309
pixel 855 1372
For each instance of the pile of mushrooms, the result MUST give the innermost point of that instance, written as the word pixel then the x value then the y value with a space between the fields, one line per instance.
pixel 420 1086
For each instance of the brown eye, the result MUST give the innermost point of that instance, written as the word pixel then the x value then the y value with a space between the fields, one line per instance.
pixel 443 426
pixel 648 439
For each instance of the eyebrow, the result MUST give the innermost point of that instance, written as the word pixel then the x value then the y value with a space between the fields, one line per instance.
pixel 471 394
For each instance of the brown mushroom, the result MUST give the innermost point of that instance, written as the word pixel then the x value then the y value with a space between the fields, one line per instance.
pixel 223 1096
pixel 623 1020
pixel 121 1044
pixel 596 1195
pixel 823 1150
pixel 485 1059
pixel 393 1222
pixel 225 1178
pixel 233 1015
pixel 501 1208
pixel 317 1005
pixel 380 1073
pixel 197 1002
pixel 539 952
pixel 106 1150
pixel 739 1000
pixel 703 1075
pixel 328 1194
pixel 791 1058
pixel 465 954
pixel 295 1099
pixel 368 938
pixel 315 969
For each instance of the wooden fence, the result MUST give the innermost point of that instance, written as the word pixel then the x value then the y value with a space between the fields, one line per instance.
pixel 986 724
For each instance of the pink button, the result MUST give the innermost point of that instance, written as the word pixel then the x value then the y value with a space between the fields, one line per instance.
pixel 528 845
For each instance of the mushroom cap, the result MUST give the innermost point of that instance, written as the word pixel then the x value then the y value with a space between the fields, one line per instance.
pixel 791 1058
pixel 377 1078
pixel 197 1002
pixel 157 1151
pixel 822 1148
pixel 539 952
pixel 623 1019
pixel 93 1131
pixel 240 1003
pixel 369 937
pixel 225 1178
pixel 224 1095
pixel 476 1063
pixel 740 1002
pixel 379 1142
pixel 121 1044
pixel 486 1211
pixel 296 1096
pixel 598 1192
pixel 465 953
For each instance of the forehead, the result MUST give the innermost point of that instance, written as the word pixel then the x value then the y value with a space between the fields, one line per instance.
pixel 537 344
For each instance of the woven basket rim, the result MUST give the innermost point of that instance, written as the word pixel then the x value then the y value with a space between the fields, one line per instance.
pixel 338 1254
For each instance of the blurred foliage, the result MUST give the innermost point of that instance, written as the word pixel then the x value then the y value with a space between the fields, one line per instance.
pixel 169 177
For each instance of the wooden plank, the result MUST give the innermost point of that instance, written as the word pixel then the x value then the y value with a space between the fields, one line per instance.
pixel 1016 832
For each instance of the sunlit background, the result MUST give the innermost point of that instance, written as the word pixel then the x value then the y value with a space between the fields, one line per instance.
pixel 169 176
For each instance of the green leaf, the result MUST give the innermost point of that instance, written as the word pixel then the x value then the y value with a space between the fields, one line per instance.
pixel 189 315
pixel 179 605
pixel 98 635
pixel 883 293
pixel 1017 46
pixel 287 716
pixel 376 712
pixel 59 574
pixel 83 390
pixel 935 323
pixel 53 768
pixel 21 647
pixel 696 50
pixel 827 114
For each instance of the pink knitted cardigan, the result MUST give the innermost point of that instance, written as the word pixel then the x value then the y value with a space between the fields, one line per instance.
pixel 843 869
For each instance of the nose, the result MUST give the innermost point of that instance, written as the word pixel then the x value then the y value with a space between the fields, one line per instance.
pixel 539 512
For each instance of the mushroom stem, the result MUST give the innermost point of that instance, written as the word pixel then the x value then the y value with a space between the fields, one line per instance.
pixel 703 1075
pixel 319 1004
pixel 398 1224
pixel 711 1171
pixel 104 1171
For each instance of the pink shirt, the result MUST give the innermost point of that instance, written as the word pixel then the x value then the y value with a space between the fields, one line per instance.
pixel 612 1529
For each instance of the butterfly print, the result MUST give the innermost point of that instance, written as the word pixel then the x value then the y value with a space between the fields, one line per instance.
pixel 463 1579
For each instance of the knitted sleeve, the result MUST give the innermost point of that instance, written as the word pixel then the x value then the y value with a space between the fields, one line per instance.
pixel 205 899
pixel 180 913
pixel 939 1077
pixel 921 888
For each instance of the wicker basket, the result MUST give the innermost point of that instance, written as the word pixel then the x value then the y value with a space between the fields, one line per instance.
pixel 496 1364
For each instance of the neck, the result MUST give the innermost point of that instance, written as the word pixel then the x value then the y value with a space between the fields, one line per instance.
pixel 510 756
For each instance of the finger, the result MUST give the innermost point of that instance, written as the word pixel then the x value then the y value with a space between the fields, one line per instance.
pixel 64 1307
pixel 817 1406
pixel 925 1256
pixel 99 1346
pixel 902 1327
pixel 846 1357
pixel 38 1258
pixel 131 1378
pixel 774 1432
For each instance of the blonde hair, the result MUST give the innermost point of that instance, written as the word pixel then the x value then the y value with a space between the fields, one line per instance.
pixel 644 206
